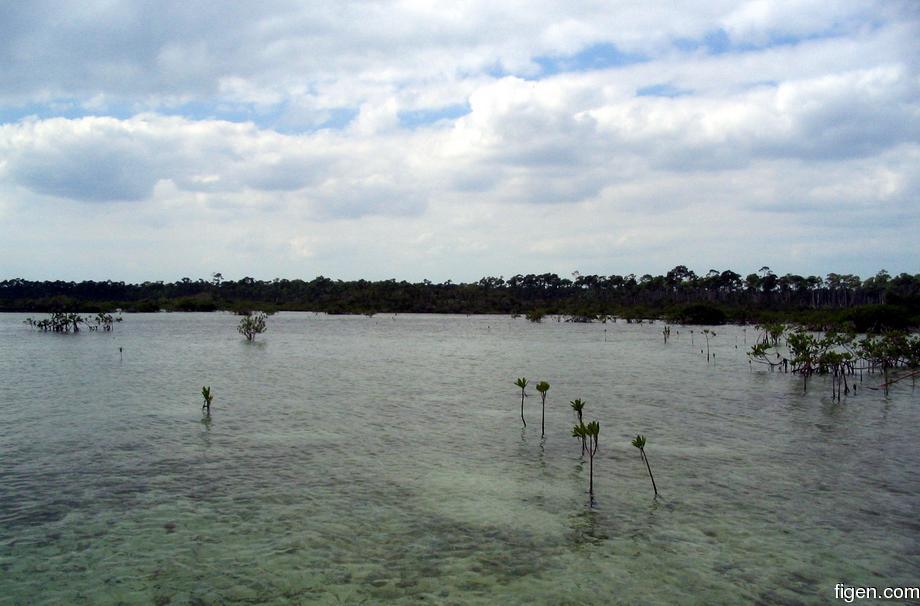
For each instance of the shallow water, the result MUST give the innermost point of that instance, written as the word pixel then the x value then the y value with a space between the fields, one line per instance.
pixel 364 460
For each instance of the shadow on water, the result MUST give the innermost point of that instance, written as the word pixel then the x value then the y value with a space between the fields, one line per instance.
pixel 657 507
pixel 586 527
pixel 522 447
pixel 255 344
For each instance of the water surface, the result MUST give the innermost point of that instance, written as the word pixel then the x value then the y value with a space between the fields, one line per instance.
pixel 361 460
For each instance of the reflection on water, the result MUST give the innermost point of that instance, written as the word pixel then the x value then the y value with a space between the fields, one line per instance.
pixel 350 460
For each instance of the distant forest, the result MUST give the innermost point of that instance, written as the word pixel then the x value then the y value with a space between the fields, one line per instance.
pixel 881 301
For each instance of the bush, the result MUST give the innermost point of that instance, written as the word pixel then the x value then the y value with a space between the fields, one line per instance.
pixel 536 315
pixel 252 325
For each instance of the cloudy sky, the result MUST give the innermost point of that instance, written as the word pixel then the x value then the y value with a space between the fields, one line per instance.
pixel 162 139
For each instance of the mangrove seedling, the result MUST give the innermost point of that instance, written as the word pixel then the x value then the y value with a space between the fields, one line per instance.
pixel 578 406
pixel 639 443
pixel 543 387
pixel 522 383
pixel 208 398
pixel 708 333
pixel 589 433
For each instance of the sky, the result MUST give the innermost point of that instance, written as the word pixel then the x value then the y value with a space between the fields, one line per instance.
pixel 416 140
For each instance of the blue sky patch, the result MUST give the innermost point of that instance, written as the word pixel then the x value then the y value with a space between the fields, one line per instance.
pixel 596 56
pixel 331 118
pixel 339 117
pixel 421 117
pixel 210 110
pixel 275 118
pixel 662 90
pixel 715 42
pixel 63 108
pixel 718 42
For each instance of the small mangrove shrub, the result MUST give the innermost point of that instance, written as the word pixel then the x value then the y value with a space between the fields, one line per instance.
pixel 208 398
pixel 840 354
pixel 68 322
pixel 59 322
pixel 772 333
pixel 536 315
pixel 252 324
pixel 104 322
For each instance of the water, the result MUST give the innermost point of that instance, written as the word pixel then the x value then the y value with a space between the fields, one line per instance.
pixel 359 460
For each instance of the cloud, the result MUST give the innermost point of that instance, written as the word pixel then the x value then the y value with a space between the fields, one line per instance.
pixel 350 53
pixel 339 134
pixel 560 140
pixel 99 159
pixel 92 162
pixel 758 22
pixel 850 114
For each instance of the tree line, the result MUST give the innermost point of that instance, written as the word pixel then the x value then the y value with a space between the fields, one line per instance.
pixel 679 295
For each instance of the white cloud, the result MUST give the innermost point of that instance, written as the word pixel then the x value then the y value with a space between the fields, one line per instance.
pixel 278 129
pixel 756 21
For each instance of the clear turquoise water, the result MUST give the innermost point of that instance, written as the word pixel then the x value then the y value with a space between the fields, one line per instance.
pixel 359 460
